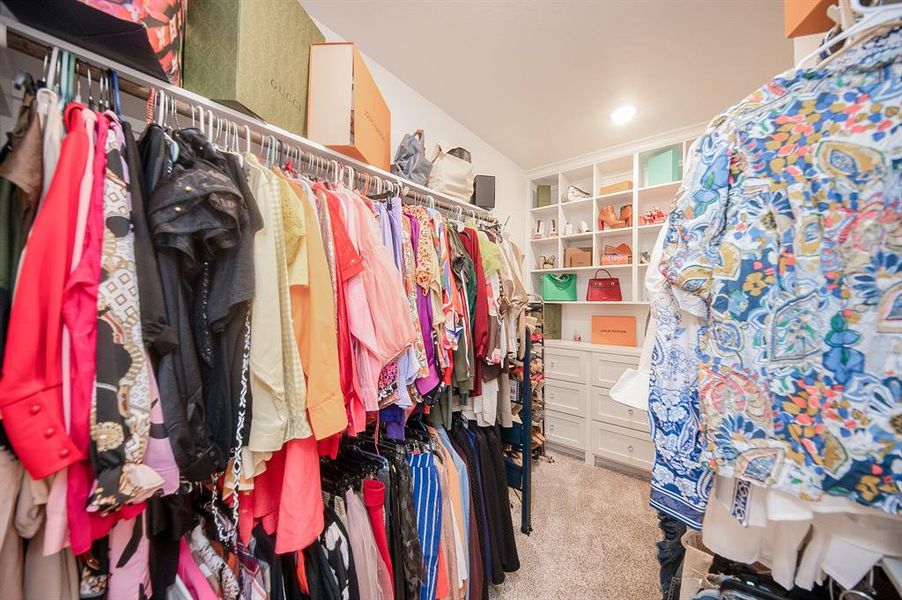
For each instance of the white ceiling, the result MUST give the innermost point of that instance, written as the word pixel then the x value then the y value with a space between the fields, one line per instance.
pixel 538 79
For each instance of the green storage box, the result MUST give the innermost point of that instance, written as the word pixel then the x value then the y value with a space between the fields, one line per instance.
pixel 543 195
pixel 663 167
pixel 252 55
pixel 559 288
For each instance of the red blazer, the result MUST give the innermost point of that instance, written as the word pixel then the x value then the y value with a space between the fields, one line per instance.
pixel 31 400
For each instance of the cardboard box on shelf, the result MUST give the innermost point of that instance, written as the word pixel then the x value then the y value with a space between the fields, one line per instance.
pixel 577 257
pixel 616 331
pixel 613 188
pixel 252 56
pixel 543 195
pixel 345 109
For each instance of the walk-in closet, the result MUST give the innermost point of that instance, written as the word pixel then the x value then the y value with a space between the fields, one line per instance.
pixel 480 300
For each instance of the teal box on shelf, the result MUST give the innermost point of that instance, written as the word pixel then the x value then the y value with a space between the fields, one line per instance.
pixel 663 167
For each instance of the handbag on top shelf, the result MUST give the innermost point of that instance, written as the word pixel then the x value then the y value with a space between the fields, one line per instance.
pixel 410 158
pixel 452 173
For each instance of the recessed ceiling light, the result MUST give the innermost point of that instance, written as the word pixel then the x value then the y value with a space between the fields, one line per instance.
pixel 624 114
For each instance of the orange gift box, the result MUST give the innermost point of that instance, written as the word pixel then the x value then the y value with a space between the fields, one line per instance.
pixel 345 109
pixel 616 331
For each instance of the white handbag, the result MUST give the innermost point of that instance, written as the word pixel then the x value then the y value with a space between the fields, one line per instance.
pixel 451 175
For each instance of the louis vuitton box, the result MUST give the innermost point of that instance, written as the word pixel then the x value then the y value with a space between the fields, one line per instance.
pixel 252 55
pixel 346 110
pixel 616 331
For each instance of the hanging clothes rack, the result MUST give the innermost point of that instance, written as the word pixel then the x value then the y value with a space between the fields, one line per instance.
pixel 36 43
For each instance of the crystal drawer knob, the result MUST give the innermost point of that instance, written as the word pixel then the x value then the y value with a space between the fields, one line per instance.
pixel 629 448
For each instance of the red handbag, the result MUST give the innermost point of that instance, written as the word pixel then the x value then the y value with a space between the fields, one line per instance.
pixel 603 289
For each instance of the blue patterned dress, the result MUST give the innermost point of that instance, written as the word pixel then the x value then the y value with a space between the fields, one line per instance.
pixel 783 248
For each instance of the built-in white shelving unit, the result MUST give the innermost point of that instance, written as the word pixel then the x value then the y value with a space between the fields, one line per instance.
pixel 590 174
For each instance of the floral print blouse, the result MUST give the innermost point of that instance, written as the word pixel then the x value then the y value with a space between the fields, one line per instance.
pixel 785 242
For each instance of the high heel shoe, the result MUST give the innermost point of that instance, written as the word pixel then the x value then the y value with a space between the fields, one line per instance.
pixel 608 217
pixel 626 214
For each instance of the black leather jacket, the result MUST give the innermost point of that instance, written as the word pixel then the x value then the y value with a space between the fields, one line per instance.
pixel 195 215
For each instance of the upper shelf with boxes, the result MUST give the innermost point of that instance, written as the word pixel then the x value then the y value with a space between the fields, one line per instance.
pixel 594 224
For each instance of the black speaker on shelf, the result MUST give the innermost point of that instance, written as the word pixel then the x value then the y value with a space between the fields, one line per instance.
pixel 484 191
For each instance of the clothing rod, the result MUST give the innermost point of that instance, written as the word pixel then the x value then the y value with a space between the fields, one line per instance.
pixel 34 42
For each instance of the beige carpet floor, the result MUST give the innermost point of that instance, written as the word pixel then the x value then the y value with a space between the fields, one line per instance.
pixel 593 536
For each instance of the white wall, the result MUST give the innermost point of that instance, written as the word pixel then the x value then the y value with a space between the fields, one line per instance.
pixel 411 111
pixel 804 45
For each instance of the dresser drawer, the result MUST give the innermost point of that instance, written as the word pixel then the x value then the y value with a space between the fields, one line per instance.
pixel 568 365
pixel 566 397
pixel 622 445
pixel 610 411
pixel 607 368
pixel 565 430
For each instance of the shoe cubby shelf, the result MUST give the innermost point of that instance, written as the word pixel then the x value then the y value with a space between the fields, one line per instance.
pixel 647 166
pixel 621 231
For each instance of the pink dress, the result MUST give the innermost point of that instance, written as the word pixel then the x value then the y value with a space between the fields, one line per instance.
pixel 381 286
